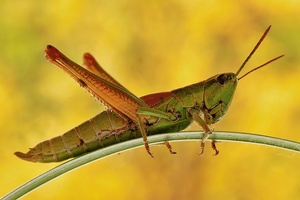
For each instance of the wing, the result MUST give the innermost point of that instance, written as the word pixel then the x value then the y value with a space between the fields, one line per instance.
pixel 104 89
pixel 91 64
pixel 151 100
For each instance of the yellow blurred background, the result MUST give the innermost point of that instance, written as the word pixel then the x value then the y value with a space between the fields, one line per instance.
pixel 152 46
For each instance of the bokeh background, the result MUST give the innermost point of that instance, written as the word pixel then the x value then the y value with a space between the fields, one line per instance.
pixel 152 46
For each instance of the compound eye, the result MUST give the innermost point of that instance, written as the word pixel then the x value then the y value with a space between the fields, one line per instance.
pixel 221 79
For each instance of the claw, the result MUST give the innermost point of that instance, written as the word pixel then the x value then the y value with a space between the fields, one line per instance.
pixel 149 152
pixel 202 148
pixel 170 148
pixel 203 144
pixel 214 147
pixel 148 149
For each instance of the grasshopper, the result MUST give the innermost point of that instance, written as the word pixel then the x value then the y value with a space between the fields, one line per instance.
pixel 130 117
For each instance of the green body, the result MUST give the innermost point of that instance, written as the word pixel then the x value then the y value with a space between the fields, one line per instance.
pixel 108 127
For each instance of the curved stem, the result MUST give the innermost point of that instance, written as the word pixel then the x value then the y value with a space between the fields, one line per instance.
pixel 117 148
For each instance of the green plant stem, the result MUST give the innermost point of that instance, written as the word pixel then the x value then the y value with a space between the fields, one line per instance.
pixel 117 148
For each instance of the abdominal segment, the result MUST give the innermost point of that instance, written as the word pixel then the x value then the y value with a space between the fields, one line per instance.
pixel 104 129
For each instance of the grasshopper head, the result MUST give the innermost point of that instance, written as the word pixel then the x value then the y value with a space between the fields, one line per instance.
pixel 218 93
